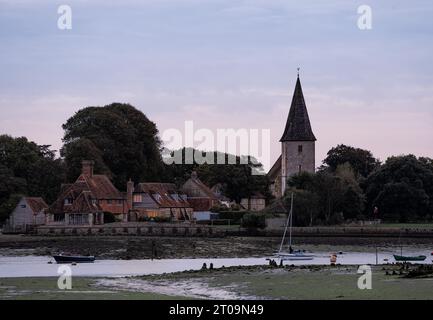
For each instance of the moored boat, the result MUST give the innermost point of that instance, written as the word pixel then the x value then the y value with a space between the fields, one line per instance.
pixel 291 254
pixel 409 258
pixel 295 256
pixel 73 259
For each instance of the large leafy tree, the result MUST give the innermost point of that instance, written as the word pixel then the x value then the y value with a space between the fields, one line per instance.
pixel 27 169
pixel 402 188
pixel 237 180
pixel 121 140
pixel 326 197
pixel 362 161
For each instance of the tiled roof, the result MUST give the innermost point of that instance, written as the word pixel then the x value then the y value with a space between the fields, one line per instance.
pixel 37 204
pixel 298 127
pixel 201 204
pixel 165 195
pixel 276 169
pixel 94 187
pixel 83 204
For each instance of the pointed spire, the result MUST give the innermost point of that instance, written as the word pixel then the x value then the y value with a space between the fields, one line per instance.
pixel 298 127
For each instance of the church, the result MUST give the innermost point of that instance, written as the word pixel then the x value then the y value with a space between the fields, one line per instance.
pixel 297 145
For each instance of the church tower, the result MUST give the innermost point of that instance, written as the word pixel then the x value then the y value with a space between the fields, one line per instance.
pixel 298 140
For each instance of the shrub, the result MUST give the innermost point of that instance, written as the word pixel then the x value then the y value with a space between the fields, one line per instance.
pixel 109 217
pixel 253 221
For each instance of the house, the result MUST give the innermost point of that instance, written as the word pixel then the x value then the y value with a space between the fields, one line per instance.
pixel 85 201
pixel 162 200
pixel 256 202
pixel 297 145
pixel 218 190
pixel 29 212
pixel 200 197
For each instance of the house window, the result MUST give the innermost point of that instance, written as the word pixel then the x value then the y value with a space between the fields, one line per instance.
pixel 137 197
pixel 94 201
pixel 68 201
pixel 59 217
pixel 300 148
pixel 23 206
pixel 109 201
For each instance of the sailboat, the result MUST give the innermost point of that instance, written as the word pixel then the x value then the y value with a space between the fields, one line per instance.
pixel 291 254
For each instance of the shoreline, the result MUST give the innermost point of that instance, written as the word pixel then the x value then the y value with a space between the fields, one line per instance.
pixel 140 247
pixel 241 282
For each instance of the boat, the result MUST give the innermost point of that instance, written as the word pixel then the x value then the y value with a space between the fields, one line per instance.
pixel 291 254
pixel 409 258
pixel 74 259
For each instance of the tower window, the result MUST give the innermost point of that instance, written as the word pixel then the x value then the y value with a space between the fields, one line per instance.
pixel 300 168
pixel 300 148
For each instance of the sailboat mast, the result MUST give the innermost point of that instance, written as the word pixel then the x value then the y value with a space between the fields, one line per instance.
pixel 285 230
pixel 291 219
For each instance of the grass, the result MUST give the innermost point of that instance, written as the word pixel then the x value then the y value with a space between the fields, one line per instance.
pixel 45 288
pixel 315 282
pixel 405 225
pixel 325 284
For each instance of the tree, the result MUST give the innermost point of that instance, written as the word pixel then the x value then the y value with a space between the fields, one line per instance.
pixel 27 169
pixel 362 161
pixel 237 179
pixel 305 206
pixel 121 140
pixel 402 188
pixel 334 196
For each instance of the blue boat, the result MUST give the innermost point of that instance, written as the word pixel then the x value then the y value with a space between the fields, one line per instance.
pixel 74 259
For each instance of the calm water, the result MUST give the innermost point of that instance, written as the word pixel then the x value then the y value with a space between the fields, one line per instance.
pixel 37 266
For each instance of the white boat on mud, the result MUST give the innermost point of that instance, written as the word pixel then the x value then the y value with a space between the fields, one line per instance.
pixel 291 254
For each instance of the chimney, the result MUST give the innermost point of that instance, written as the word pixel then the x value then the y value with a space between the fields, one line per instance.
pixel 87 167
pixel 129 191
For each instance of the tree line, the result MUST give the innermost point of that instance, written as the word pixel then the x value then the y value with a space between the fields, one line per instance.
pixel 124 144
pixel 353 185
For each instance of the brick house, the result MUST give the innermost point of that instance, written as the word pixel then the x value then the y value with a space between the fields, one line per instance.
pixel 163 200
pixel 200 196
pixel 85 201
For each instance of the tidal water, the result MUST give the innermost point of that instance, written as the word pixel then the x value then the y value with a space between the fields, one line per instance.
pixel 38 266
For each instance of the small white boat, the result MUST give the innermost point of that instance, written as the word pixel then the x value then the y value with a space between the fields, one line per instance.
pixel 291 254
pixel 295 256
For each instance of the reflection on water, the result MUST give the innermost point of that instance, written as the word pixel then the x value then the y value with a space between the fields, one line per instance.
pixel 37 266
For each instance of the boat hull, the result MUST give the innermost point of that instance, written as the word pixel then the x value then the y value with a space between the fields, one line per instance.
pixel 74 259
pixel 294 256
pixel 413 258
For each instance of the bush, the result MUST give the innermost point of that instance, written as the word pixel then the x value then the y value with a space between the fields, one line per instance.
pixel 234 216
pixel 253 221
pixel 109 217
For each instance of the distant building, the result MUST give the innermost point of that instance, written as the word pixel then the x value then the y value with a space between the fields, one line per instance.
pixel 85 201
pixel 297 145
pixel 29 212
pixel 200 196
pixel 151 200
pixel 256 202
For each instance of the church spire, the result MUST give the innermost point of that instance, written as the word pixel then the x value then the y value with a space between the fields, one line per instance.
pixel 298 127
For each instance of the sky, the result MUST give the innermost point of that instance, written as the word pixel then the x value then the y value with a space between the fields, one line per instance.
pixel 224 64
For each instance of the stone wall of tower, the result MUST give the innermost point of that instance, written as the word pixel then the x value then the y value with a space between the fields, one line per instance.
pixel 297 156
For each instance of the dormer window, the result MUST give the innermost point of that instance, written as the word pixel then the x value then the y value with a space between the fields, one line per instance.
pixel 68 201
